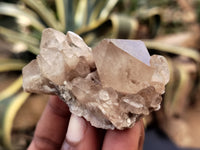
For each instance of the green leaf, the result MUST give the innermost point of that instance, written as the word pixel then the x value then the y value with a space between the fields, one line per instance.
pixel 27 38
pixel 107 9
pixel 14 36
pixel 97 8
pixel 22 14
pixel 13 88
pixel 65 9
pixel 116 26
pixel 170 88
pixel 180 97
pixel 8 110
pixel 33 49
pixel 60 7
pixel 11 65
pixel 124 27
pixel 188 52
pixel 45 13
pixel 81 14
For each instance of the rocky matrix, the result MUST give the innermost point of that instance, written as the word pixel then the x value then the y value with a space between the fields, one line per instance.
pixel 112 85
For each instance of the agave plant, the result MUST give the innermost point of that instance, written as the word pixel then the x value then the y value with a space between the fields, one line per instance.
pixel 91 19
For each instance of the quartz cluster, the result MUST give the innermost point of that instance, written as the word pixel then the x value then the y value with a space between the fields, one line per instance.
pixel 112 85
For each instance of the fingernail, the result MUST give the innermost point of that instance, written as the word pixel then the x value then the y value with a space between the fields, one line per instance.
pixel 65 146
pixel 76 130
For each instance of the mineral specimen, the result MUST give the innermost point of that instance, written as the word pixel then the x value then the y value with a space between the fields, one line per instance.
pixel 112 85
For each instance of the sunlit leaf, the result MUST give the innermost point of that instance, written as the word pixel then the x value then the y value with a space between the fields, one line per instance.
pixel 8 110
pixel 21 14
pixel 124 27
pixel 14 36
pixel 45 13
pixel 81 13
pixel 13 88
pixel 27 38
pixel 11 65
pixel 108 8
pixel 188 52
pixel 65 9
pixel 60 7
pixel 33 49
pixel 116 26
pixel 97 8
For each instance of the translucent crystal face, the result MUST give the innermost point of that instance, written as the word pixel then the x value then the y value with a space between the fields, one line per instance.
pixel 134 48
pixel 120 68
pixel 112 85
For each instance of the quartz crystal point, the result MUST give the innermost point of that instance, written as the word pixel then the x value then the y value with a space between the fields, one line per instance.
pixel 112 85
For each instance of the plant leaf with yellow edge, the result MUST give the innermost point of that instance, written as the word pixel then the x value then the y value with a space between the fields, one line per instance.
pixel 15 37
pixel 179 101
pixel 116 26
pixel 171 86
pixel 13 88
pixel 45 13
pixel 81 13
pixel 60 5
pixel 8 33
pixel 24 15
pixel 108 8
pixel 97 8
pixel 11 65
pixel 65 10
pixel 8 110
pixel 188 52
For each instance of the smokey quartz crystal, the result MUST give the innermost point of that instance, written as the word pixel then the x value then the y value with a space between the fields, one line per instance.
pixel 112 85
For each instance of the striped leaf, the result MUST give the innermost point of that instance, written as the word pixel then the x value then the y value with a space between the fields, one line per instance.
pixel 13 88
pixel 13 36
pixel 65 9
pixel 22 14
pixel 178 50
pixel 11 65
pixel 116 26
pixel 11 100
pixel 8 109
pixel 45 13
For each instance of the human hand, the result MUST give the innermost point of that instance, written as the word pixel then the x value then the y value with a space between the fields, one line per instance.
pixel 57 129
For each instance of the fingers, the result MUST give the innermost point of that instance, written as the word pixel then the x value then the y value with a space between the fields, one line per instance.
pixel 80 135
pixel 129 139
pixel 52 126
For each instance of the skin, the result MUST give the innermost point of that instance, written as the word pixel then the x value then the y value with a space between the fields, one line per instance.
pixel 50 133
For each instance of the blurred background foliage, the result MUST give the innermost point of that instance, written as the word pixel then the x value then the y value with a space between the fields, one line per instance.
pixel 168 27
